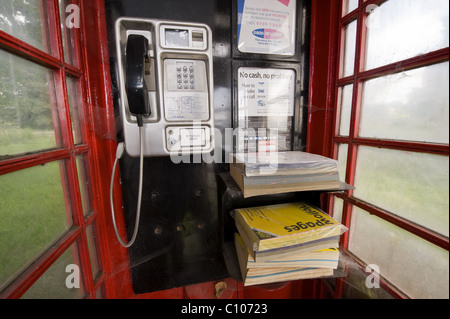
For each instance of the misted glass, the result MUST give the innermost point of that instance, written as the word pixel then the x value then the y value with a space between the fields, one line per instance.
pixel 414 265
pixel 27 21
pixel 411 105
pixel 28 109
pixel 349 49
pixel 412 185
pixel 401 29
pixel 345 106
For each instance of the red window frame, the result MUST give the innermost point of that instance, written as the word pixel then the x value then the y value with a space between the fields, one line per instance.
pixel 98 121
pixel 323 138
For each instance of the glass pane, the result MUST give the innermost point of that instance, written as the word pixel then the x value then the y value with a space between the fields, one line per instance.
pixel 33 214
pixel 342 160
pixel 91 234
pixel 27 111
pixel 84 183
pixel 403 29
pixel 345 107
pixel 63 280
pixel 69 23
pixel 354 283
pixel 414 265
pixel 412 105
pixel 412 185
pixel 337 209
pixel 349 6
pixel 27 21
pixel 349 49
pixel 76 108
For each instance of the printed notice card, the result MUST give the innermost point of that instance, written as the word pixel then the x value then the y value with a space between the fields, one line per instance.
pixel 266 26
pixel 266 92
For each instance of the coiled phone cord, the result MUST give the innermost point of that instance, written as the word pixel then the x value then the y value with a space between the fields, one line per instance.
pixel 119 153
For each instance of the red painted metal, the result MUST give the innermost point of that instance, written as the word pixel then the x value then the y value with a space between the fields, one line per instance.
pixel 222 289
pixel 16 46
pixel 280 290
pixel 439 149
pixel 321 66
pixel 103 143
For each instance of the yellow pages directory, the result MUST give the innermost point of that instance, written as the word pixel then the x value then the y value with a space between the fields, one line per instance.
pixel 269 274
pixel 281 225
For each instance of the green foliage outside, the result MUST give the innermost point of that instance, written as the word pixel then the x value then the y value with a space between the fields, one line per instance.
pixel 26 88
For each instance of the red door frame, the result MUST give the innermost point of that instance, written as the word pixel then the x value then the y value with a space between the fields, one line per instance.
pixel 326 36
pixel 103 143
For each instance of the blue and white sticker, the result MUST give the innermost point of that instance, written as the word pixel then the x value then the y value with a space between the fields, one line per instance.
pixel 266 26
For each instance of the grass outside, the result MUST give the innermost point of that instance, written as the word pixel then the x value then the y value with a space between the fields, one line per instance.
pixel 16 141
pixel 32 215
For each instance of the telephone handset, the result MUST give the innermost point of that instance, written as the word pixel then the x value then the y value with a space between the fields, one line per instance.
pixel 136 86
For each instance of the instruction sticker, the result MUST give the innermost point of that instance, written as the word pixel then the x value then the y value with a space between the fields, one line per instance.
pixel 266 92
pixel 266 26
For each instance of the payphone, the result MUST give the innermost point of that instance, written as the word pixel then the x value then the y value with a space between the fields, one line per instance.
pixel 165 82
pixel 165 71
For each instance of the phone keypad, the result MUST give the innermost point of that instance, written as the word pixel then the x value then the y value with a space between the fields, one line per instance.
pixel 185 77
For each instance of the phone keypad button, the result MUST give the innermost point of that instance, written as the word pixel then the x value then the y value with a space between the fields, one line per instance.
pixel 185 77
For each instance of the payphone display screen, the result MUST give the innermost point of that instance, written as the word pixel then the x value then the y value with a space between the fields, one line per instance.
pixel 177 38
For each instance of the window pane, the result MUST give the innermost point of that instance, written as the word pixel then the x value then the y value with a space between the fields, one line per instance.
pixel 63 280
pixel 338 206
pixel 32 215
pixel 76 108
pixel 84 183
pixel 342 160
pixel 411 105
pixel 345 108
pixel 27 21
pixel 354 283
pixel 91 234
pixel 349 6
pixel 414 265
pixel 412 185
pixel 68 27
pixel 403 29
pixel 348 61
pixel 27 109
